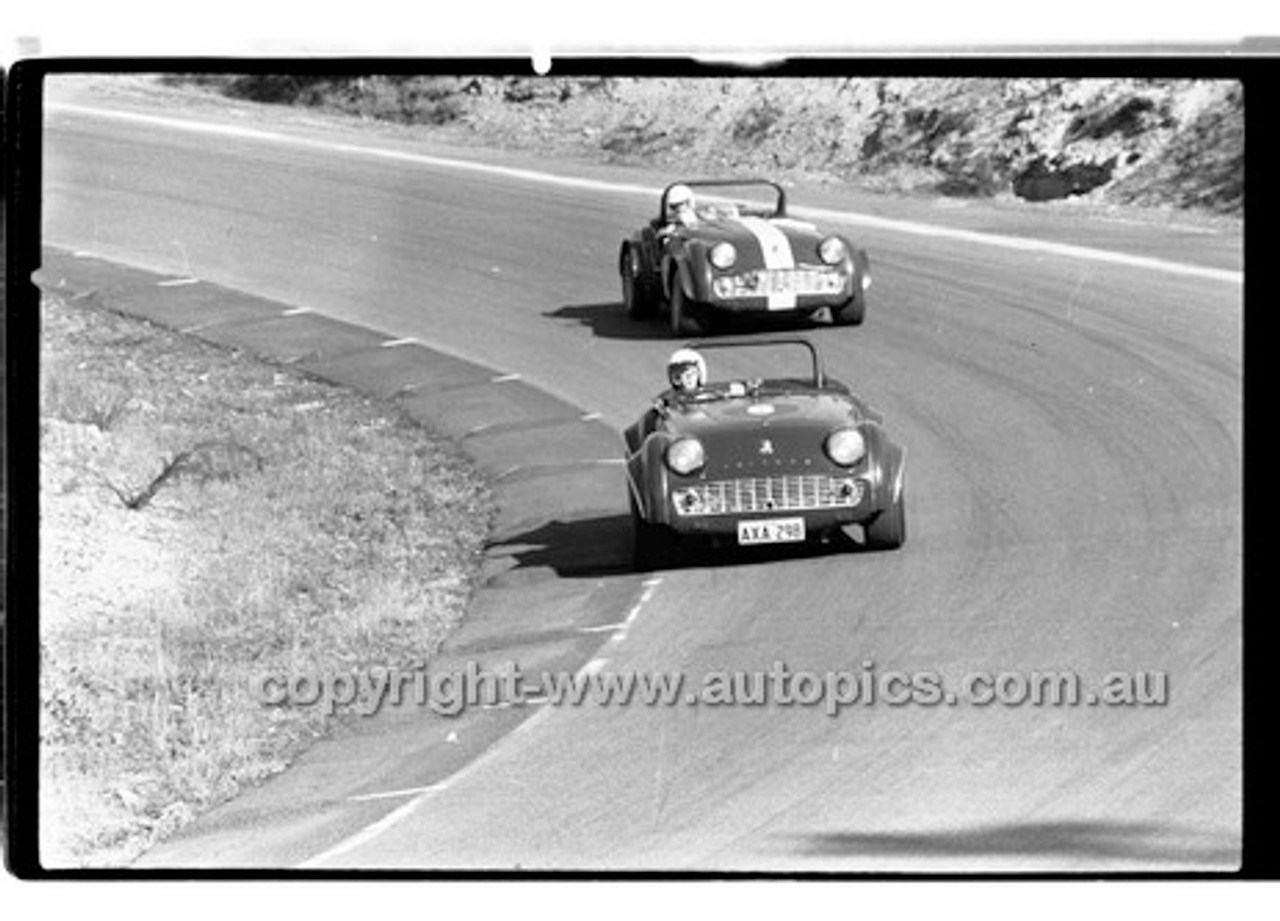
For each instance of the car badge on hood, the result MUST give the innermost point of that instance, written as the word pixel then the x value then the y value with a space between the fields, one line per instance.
pixel 766 446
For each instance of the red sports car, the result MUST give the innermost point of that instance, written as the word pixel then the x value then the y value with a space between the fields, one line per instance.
pixel 763 461
pixel 737 252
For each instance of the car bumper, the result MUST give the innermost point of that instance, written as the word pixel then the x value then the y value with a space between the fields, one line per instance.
pixel 815 523
pixel 799 304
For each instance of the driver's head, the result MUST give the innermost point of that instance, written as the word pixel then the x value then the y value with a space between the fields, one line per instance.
pixel 680 204
pixel 686 370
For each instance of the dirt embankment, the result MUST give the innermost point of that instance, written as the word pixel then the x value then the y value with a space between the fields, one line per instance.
pixel 1153 142
pixel 207 519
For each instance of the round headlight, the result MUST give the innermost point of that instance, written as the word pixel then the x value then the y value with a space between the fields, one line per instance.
pixel 685 456
pixel 846 447
pixel 832 250
pixel 723 255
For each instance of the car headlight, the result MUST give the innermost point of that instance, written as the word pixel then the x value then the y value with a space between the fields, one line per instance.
pixel 846 447
pixel 685 456
pixel 832 250
pixel 723 255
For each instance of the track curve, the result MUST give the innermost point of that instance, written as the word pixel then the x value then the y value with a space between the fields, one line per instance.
pixel 1074 434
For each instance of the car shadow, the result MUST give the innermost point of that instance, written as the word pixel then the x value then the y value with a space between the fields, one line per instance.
pixel 580 549
pixel 609 320
pixel 587 548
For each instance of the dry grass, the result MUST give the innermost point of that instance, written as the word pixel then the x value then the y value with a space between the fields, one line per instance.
pixel 287 525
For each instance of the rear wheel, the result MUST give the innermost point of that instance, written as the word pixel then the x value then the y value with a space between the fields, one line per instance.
pixel 888 530
pixel 683 322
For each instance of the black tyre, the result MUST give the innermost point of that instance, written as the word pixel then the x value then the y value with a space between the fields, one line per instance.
pixel 888 530
pixel 637 295
pixel 683 321
pixel 851 312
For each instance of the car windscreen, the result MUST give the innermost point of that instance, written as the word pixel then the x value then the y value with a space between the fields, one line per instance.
pixel 734 200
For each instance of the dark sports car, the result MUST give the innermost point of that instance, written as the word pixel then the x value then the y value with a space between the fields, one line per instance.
pixel 763 461
pixel 739 254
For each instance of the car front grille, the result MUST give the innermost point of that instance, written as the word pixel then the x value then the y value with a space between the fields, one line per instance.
pixel 768 494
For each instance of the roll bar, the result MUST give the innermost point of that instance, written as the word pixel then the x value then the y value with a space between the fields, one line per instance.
pixel 781 208
pixel 819 374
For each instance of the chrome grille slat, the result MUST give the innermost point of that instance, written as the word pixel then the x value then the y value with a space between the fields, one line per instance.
pixel 754 494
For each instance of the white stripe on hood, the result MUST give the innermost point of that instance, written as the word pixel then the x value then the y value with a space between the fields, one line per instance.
pixel 777 255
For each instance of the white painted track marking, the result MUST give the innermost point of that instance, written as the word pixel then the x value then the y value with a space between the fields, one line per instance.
pixel 1025 244
pixel 422 794
pixel 393 794
pixel 603 628
pixel 366 834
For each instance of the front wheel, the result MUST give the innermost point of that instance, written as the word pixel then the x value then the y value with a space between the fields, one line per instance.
pixel 648 541
pixel 683 323
pixel 636 295
pixel 851 312
pixel 888 530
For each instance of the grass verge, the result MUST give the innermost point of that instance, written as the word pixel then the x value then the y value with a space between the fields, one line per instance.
pixel 206 518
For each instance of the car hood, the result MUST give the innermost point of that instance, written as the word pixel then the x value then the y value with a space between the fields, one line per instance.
pixel 751 237
pixel 765 434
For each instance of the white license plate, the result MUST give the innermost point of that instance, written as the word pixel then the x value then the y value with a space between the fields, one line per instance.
pixel 771 531
pixel 801 281
pixel 780 283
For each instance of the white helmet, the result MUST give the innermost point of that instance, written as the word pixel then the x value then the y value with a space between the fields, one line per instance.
pixel 677 196
pixel 682 359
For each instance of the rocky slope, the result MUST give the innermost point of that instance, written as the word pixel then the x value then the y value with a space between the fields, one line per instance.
pixel 1160 142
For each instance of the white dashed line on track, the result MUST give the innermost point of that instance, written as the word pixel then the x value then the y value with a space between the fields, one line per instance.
pixel 177 282
pixel 395 794
pixel 396 343
pixel 603 628
pixel 650 586
pixel 422 794
pixel 295 311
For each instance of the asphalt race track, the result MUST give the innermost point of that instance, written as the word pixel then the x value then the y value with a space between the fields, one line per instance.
pixel 1073 429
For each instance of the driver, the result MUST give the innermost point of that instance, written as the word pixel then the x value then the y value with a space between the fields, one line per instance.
pixel 680 207
pixel 686 372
